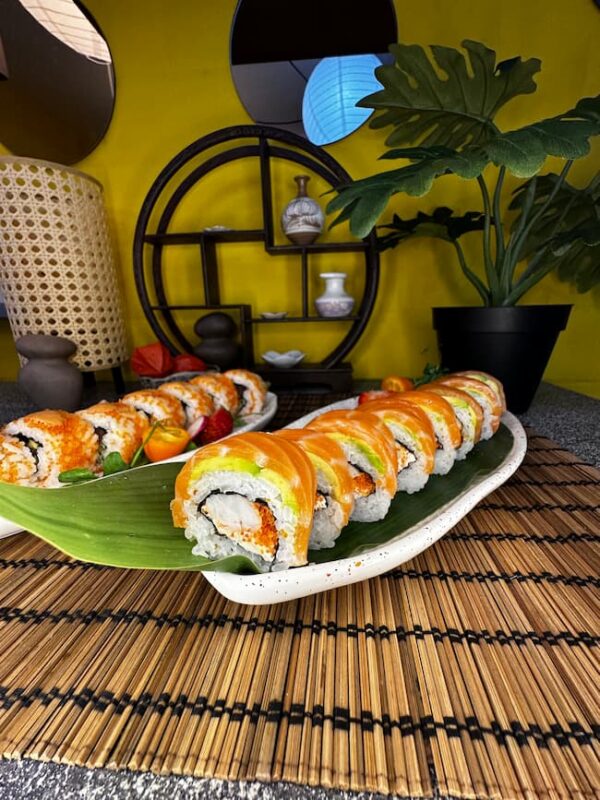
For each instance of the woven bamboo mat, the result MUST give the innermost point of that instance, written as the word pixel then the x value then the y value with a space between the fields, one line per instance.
pixel 471 671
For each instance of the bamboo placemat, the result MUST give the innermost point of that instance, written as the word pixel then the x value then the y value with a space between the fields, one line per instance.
pixel 471 671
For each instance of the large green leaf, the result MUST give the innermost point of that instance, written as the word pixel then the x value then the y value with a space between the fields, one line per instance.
pixel 442 223
pixel 446 98
pixel 124 520
pixel 522 152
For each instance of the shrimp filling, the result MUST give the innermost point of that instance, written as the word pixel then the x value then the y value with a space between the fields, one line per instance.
pixel 363 483
pixel 405 456
pixel 249 523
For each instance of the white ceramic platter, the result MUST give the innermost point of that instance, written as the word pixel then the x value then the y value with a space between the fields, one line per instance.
pixel 253 422
pixel 277 587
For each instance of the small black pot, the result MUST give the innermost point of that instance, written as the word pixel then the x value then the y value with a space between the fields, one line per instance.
pixel 513 344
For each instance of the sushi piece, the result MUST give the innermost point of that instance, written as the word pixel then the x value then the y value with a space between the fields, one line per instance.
pixel 468 413
pixel 250 495
pixel 371 453
pixel 195 401
pixel 156 406
pixel 414 438
pixel 58 441
pixel 483 395
pixel 445 426
pixel 335 496
pixel 221 389
pixel 118 428
pixel 17 461
pixel 489 380
pixel 251 389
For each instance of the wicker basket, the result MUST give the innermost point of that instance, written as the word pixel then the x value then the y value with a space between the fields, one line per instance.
pixel 57 261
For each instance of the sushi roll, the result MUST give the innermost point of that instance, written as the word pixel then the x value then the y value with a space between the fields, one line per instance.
pixel 17 462
pixel 118 428
pixel 156 406
pixel 335 496
pixel 468 413
pixel 251 495
pixel 414 438
pixel 251 389
pixel 489 380
pixel 371 453
pixel 58 441
pixel 221 389
pixel 483 395
pixel 445 426
pixel 195 402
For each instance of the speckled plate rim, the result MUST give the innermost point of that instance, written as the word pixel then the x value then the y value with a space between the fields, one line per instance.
pixel 255 422
pixel 279 587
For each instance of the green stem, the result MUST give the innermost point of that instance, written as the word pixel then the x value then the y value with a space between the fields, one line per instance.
pixel 521 238
pixel 470 275
pixel 525 284
pixel 500 249
pixel 510 260
pixel 490 272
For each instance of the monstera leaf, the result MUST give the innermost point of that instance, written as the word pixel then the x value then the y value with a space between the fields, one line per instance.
pixel 440 224
pixel 566 225
pixel 445 97
pixel 521 152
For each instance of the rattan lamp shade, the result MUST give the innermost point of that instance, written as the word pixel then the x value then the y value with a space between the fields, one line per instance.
pixel 57 261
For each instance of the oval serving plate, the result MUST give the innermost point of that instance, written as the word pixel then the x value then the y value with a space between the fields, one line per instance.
pixel 407 530
pixel 253 422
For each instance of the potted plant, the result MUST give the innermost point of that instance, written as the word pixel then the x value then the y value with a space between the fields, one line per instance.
pixel 444 107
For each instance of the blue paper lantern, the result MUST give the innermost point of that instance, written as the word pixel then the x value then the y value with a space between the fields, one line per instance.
pixel 336 84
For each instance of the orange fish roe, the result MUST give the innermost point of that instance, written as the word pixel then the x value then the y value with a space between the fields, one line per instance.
pixel 64 441
pixel 364 485
pixel 267 535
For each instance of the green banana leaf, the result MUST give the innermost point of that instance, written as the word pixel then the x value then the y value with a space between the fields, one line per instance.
pixel 124 520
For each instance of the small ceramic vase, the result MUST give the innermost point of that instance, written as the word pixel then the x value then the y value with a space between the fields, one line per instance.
pixel 302 219
pixel 219 346
pixel 48 377
pixel 335 300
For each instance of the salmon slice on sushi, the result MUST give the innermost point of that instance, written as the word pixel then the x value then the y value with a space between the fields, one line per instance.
pixel 221 389
pixel 335 495
pixel 494 384
pixel 444 423
pixel 414 438
pixel 370 451
pixel 468 413
pixel 156 407
pixel 251 389
pixel 251 495
pixel 118 428
pixel 58 441
pixel 483 395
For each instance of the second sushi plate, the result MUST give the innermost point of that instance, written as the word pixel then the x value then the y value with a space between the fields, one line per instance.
pixel 124 521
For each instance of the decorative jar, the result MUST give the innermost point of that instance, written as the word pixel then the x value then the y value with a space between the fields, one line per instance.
pixel 302 219
pixel 335 300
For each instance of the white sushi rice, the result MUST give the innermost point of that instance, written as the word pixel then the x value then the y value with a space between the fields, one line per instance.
pixel 467 428
pixel 46 452
pixel 214 545
pixel 414 476
pixel 327 521
pixel 487 431
pixel 119 432
pixel 375 506
pixel 446 454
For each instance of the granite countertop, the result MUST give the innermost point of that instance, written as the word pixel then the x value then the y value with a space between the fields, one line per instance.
pixel 571 419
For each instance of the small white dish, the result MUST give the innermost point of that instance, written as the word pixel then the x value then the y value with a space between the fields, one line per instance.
pixel 283 360
pixel 274 314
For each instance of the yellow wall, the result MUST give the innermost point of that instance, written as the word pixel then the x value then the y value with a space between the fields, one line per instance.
pixel 174 85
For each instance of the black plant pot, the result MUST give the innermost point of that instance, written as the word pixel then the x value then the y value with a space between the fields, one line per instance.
pixel 514 344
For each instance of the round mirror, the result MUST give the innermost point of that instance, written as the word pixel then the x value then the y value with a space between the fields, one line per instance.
pixel 273 53
pixel 57 88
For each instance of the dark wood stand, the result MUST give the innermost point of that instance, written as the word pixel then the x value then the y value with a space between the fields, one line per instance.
pixel 153 230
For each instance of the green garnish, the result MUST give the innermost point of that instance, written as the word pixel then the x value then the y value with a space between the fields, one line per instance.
pixel 113 463
pixel 77 475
